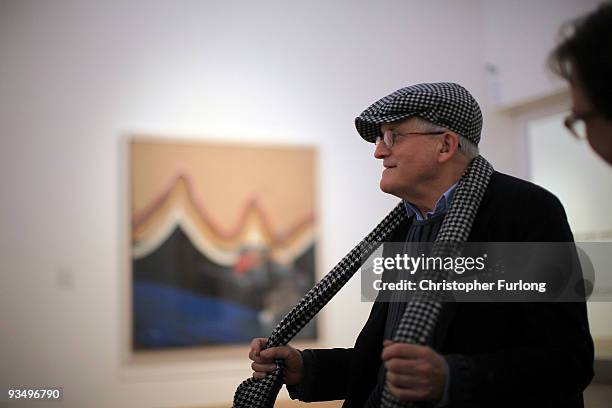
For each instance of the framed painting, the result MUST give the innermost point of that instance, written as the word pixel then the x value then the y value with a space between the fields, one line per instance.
pixel 222 240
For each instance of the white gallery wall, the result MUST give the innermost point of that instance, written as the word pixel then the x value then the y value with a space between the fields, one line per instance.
pixel 77 77
pixel 518 36
pixel 585 189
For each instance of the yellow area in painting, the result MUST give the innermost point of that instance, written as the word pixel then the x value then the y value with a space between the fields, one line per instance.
pixel 224 179
pixel 250 228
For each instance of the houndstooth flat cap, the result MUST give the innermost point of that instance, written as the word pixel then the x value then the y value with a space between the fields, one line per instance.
pixel 444 103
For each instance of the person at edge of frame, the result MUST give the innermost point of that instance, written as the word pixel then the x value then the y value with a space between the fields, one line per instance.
pixel 584 59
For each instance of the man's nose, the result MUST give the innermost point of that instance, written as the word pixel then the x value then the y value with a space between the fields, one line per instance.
pixel 381 151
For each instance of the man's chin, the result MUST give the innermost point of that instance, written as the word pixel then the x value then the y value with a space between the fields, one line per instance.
pixel 393 189
pixel 387 187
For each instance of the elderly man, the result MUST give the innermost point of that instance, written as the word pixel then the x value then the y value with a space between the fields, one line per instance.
pixel 478 354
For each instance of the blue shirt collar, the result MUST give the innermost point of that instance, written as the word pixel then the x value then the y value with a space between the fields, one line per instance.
pixel 441 205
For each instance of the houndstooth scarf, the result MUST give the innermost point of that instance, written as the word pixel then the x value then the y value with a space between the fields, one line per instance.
pixel 421 315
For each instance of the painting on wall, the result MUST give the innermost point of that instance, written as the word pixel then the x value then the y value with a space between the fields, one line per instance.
pixel 222 240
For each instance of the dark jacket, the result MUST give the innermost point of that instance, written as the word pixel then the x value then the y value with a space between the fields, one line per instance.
pixel 499 354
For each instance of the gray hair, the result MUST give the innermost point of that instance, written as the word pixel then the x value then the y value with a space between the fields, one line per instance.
pixel 466 147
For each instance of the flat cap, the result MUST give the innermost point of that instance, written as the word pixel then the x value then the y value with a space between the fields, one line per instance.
pixel 444 103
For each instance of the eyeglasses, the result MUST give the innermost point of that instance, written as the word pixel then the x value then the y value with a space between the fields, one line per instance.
pixel 575 123
pixel 389 136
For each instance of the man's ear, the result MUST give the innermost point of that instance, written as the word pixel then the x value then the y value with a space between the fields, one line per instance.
pixel 449 144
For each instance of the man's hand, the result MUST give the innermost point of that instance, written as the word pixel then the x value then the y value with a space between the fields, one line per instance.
pixel 414 373
pixel 263 361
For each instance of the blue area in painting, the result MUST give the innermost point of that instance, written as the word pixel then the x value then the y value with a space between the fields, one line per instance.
pixel 182 298
pixel 171 317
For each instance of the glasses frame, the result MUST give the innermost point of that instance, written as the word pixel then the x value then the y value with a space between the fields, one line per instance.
pixel 389 136
pixel 573 118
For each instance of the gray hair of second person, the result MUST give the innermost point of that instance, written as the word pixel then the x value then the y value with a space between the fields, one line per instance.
pixel 466 147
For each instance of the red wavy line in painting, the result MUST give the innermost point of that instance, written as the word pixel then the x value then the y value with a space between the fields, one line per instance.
pixel 251 205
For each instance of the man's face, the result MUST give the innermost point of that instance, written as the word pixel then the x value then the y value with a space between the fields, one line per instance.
pixel 598 128
pixel 410 165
